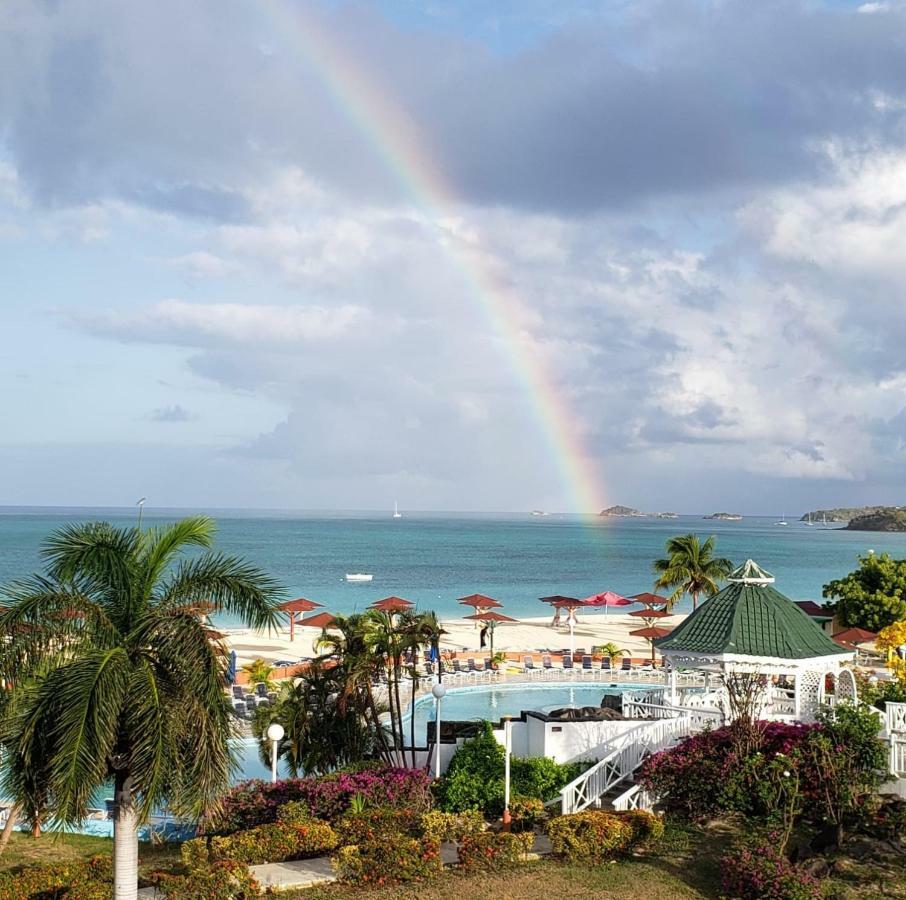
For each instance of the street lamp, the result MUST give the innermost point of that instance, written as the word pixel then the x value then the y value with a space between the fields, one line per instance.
pixel 507 750
pixel 275 734
pixel 439 691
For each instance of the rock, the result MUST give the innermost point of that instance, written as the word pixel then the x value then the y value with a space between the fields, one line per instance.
pixel 817 867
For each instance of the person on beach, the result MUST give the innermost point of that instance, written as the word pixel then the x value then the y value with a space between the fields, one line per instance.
pixel 556 621
pixel 483 637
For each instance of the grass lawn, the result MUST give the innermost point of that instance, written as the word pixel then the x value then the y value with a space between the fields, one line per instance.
pixel 23 850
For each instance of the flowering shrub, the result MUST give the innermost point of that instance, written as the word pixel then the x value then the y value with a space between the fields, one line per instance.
pixel 758 870
pixel 490 850
pixel 647 827
pixel 77 880
pixel 705 773
pixel 275 843
pixel 589 835
pixel 371 825
pixel 444 826
pixel 225 880
pixel 296 812
pixel 526 813
pixel 254 803
pixel 392 860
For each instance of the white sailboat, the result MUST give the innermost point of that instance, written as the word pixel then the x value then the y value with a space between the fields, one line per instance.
pixel 396 511
pixel 783 520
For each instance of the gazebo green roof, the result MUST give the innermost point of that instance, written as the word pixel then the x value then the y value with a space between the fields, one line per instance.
pixel 749 617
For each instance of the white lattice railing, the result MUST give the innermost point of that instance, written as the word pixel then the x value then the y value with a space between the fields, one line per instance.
pixel 699 719
pixel 619 763
pixel 635 797
pixel 898 755
pixel 895 714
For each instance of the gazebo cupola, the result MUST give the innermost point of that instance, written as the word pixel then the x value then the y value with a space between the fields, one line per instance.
pixel 750 627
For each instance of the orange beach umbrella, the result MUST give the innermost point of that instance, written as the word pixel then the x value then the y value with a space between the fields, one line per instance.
pixel 492 619
pixel 392 605
pixel 480 601
pixel 299 605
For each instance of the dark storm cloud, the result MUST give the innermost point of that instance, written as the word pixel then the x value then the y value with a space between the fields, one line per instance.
pixel 184 107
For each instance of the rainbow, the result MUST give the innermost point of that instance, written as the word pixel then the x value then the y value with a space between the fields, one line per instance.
pixel 394 137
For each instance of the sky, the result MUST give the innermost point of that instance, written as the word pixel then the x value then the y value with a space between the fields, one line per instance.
pixel 221 287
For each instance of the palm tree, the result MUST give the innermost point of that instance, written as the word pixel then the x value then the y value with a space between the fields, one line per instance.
pixel 422 630
pixel 259 671
pixel 116 677
pixel 612 652
pixel 690 568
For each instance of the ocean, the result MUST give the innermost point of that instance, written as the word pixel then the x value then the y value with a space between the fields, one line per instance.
pixel 434 558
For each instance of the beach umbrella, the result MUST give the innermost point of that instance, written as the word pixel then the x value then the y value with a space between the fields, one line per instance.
pixel 606 599
pixel 392 605
pixel 492 618
pixel 650 614
pixel 480 601
pixel 231 668
pixel 319 620
pixel 855 636
pixel 299 605
pixel 652 633
pixel 558 601
pixel 649 599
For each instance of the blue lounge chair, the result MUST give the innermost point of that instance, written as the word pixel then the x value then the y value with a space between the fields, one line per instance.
pixel 567 661
pixel 627 664
pixel 605 664
pixel 586 663
pixel 261 689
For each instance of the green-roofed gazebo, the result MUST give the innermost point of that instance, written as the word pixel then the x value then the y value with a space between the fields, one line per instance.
pixel 750 626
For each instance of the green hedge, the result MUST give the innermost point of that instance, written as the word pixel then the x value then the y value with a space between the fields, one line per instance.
pixel 224 880
pixel 490 850
pixel 590 835
pixel 372 825
pixel 266 843
pixel 392 860
pixel 76 880
pixel 452 826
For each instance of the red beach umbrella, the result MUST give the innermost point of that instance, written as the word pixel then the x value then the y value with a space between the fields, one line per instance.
pixel 649 599
pixel 299 605
pixel 652 633
pixel 563 602
pixel 392 605
pixel 855 636
pixel 492 618
pixel 319 620
pixel 605 599
pixel 650 614
pixel 479 601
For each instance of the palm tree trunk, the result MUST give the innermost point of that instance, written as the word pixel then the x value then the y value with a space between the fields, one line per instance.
pixel 11 818
pixel 694 601
pixel 125 840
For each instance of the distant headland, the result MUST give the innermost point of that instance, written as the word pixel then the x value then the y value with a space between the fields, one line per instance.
pixel 860 518
pixel 622 511
pixel 725 517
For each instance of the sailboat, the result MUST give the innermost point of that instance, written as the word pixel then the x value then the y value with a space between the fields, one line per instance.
pixel 808 519
pixel 396 511
pixel 783 520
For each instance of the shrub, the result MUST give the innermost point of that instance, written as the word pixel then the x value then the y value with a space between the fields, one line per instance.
pixel 195 854
pixel 526 812
pixel 758 870
pixel 490 850
pixel 224 880
pixel 647 827
pixel 540 776
pixel 444 826
pixel 254 803
pixel 590 835
pixel 296 812
pixel 72 880
pixel 392 860
pixel 275 843
pixel 373 824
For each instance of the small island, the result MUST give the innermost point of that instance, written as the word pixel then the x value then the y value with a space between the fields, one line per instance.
pixel 666 515
pixel 725 517
pixel 843 514
pixel 885 518
pixel 621 511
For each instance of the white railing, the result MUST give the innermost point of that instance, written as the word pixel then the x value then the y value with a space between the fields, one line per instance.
pixel 636 797
pixel 895 715
pixel 619 763
pixel 699 719
pixel 898 755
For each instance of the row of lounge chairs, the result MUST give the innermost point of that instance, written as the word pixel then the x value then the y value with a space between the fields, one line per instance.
pixel 245 701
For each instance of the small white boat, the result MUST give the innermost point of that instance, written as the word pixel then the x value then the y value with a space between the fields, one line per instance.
pixel 783 520
pixel 358 578
pixel 396 513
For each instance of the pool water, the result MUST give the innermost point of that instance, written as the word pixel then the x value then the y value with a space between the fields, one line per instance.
pixel 470 702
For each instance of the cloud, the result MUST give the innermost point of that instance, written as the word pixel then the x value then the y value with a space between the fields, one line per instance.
pixel 174 413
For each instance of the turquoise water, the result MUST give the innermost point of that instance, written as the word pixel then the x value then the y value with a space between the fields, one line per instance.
pixel 464 704
pixel 434 558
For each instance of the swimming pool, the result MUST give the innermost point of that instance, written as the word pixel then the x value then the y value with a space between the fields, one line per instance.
pixel 470 702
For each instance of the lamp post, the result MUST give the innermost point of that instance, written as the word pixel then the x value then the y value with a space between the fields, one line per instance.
pixel 438 692
pixel 275 734
pixel 507 750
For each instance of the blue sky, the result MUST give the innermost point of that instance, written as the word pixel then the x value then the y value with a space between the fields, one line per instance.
pixel 213 292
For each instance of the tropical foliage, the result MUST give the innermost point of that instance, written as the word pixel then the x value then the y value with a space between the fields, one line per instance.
pixel 690 568
pixel 259 671
pixel 873 596
pixel 116 677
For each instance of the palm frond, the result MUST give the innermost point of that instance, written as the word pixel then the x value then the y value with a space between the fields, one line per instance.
pixel 161 545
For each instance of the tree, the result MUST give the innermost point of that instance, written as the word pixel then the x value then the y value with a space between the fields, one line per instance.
pixel 260 671
pixel 116 677
pixel 873 596
pixel 690 568
pixel 612 652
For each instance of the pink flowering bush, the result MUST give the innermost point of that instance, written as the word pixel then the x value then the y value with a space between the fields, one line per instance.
pixel 707 774
pixel 757 870
pixel 254 803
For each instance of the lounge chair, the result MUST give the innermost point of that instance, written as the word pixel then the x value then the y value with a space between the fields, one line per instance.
pixel 238 692
pixel 472 665
pixel 605 664
pixel 567 662
pixel 250 702
pixel 457 667
pixel 586 664
pixel 626 665
pixel 261 689
pixel 240 709
pixel 579 652
pixel 528 666
pixel 547 663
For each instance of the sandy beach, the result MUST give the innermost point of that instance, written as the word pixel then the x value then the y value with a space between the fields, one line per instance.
pixel 529 634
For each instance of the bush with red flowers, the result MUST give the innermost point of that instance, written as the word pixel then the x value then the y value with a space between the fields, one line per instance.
pixel 756 869
pixel 394 859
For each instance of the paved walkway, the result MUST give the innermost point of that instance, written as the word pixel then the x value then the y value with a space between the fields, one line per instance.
pixel 304 873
